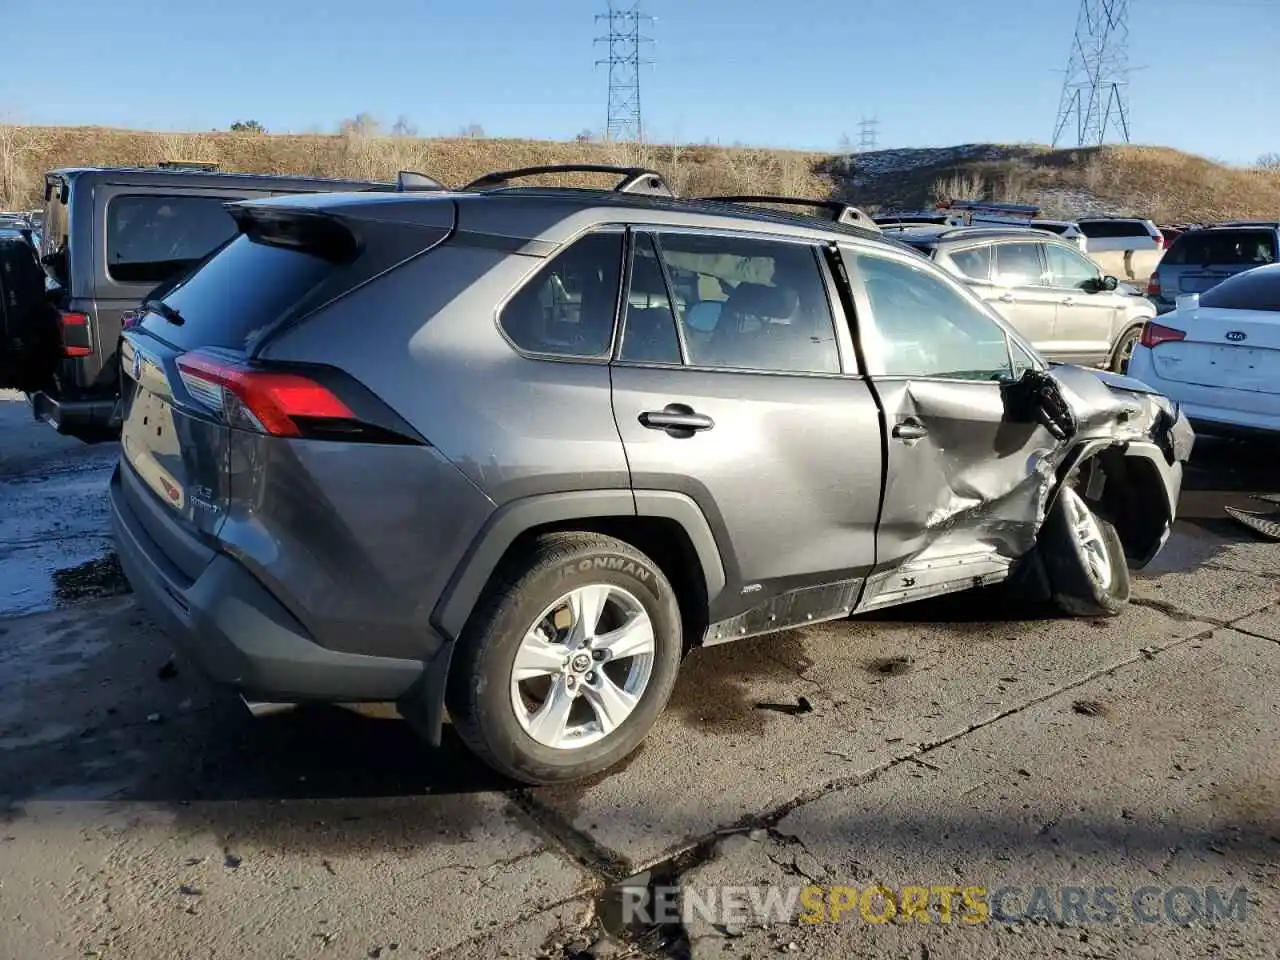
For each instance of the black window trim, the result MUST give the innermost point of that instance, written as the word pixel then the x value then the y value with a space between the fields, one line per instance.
pixel 1011 336
pixel 539 262
pixel 847 360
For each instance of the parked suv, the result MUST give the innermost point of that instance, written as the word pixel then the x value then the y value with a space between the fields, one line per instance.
pixel 1053 294
pixel 1203 257
pixel 518 449
pixel 110 237
pixel 1126 247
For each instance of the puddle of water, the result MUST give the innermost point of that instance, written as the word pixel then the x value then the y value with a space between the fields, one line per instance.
pixel 91 580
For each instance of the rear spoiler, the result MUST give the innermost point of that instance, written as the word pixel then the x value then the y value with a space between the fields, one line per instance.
pixel 318 234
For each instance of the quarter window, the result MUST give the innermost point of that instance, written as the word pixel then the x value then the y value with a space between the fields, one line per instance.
pixel 1019 265
pixel 922 326
pixel 152 239
pixel 1068 268
pixel 567 308
pixel 740 303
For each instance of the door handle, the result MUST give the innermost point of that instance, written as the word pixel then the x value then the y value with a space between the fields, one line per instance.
pixel 1007 298
pixel 1069 302
pixel 677 419
pixel 910 429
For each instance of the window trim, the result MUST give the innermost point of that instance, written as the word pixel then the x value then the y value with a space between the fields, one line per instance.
pixel 539 263
pixel 862 301
pixel 846 355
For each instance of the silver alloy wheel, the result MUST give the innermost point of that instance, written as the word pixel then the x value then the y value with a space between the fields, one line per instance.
pixel 1088 537
pixel 1125 353
pixel 582 666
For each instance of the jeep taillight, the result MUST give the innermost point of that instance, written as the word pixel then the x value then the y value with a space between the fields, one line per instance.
pixel 74 328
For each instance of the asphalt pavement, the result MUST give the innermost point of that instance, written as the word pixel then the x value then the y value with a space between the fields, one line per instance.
pixel 957 743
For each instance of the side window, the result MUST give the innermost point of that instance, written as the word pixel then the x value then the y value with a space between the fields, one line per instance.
pixel 151 239
pixel 750 304
pixel 1068 268
pixel 567 308
pixel 921 326
pixel 1019 265
pixel 974 263
pixel 649 331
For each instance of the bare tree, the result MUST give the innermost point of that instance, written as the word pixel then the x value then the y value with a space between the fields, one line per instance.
pixel 361 125
pixel 472 131
pixel 403 127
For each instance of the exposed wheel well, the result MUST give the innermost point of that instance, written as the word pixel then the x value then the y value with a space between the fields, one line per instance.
pixel 661 539
pixel 1128 492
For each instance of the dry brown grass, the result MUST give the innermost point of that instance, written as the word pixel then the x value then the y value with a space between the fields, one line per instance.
pixel 1158 182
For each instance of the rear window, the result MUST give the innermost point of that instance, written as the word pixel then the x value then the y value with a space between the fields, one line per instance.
pixel 151 239
pixel 1223 247
pixel 1105 229
pixel 53 237
pixel 237 295
pixel 1251 290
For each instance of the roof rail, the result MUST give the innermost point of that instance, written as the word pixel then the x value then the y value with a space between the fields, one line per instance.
pixel 410 180
pixel 840 212
pixel 204 165
pixel 634 179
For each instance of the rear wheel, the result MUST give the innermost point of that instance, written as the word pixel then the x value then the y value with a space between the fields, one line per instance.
pixel 1084 558
pixel 568 661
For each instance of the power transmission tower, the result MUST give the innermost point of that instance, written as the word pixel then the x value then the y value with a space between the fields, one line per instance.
pixel 1095 93
pixel 868 137
pixel 624 41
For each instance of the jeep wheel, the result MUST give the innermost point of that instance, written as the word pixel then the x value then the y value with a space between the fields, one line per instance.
pixel 1084 559
pixel 568 660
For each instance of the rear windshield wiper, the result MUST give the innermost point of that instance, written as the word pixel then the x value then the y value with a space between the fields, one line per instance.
pixel 166 311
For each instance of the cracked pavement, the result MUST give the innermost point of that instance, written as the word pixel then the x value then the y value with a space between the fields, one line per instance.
pixel 959 742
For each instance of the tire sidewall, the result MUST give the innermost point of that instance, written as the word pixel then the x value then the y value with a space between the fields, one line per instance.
pixel 506 738
pixel 1074 587
pixel 1130 336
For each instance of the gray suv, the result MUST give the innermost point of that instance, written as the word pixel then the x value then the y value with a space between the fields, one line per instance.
pixel 514 451
pixel 110 237
pixel 1052 293
pixel 1202 257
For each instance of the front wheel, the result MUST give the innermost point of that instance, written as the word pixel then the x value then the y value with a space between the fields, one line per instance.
pixel 1084 558
pixel 568 661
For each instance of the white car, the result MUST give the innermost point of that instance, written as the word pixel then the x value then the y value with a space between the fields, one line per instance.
pixel 1125 247
pixel 1217 354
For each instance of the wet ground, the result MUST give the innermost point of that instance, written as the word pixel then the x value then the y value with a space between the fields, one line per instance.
pixel 146 815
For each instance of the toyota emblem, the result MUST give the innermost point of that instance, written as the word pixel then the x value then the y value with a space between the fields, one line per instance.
pixel 1235 336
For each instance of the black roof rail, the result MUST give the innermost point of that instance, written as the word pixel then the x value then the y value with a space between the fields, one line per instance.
pixel 840 212
pixel 634 179
pixel 411 180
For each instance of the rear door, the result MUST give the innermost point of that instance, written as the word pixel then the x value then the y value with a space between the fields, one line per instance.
pixel 962 481
pixel 1022 293
pixel 734 385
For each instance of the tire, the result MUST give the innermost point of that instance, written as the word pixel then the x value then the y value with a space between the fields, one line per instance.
pixel 1123 351
pixel 523 601
pixel 1077 584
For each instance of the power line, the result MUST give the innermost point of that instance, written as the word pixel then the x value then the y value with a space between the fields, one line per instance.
pixel 624 39
pixel 1095 92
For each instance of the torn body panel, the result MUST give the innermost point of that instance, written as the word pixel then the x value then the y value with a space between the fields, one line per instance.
pixel 970 476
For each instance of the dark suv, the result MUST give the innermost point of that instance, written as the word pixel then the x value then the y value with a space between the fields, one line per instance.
pixel 516 450
pixel 110 237
pixel 1202 257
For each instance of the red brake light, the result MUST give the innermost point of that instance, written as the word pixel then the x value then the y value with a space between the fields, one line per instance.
pixel 269 400
pixel 1153 286
pixel 1154 334
pixel 75 334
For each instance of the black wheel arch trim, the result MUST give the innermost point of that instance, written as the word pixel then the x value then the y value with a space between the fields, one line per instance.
pixel 514 519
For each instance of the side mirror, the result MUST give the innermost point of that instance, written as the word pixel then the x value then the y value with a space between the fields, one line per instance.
pixel 1109 284
pixel 1036 397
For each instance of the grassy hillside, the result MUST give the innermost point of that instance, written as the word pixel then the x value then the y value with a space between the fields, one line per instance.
pixel 1158 182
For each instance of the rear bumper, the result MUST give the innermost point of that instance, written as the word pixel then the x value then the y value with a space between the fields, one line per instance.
pixel 76 417
pixel 1212 409
pixel 236 632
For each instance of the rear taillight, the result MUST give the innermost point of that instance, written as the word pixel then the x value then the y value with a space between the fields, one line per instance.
pixel 1154 334
pixel 1153 286
pixel 269 401
pixel 75 334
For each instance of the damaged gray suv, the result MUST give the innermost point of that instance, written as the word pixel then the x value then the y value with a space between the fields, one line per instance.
pixel 510 452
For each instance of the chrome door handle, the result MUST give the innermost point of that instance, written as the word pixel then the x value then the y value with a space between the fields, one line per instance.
pixel 1007 298
pixel 910 429
pixel 1069 302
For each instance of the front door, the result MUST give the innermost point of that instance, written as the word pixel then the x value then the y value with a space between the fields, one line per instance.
pixel 1087 315
pixel 1021 294
pixel 962 479
pixel 734 385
